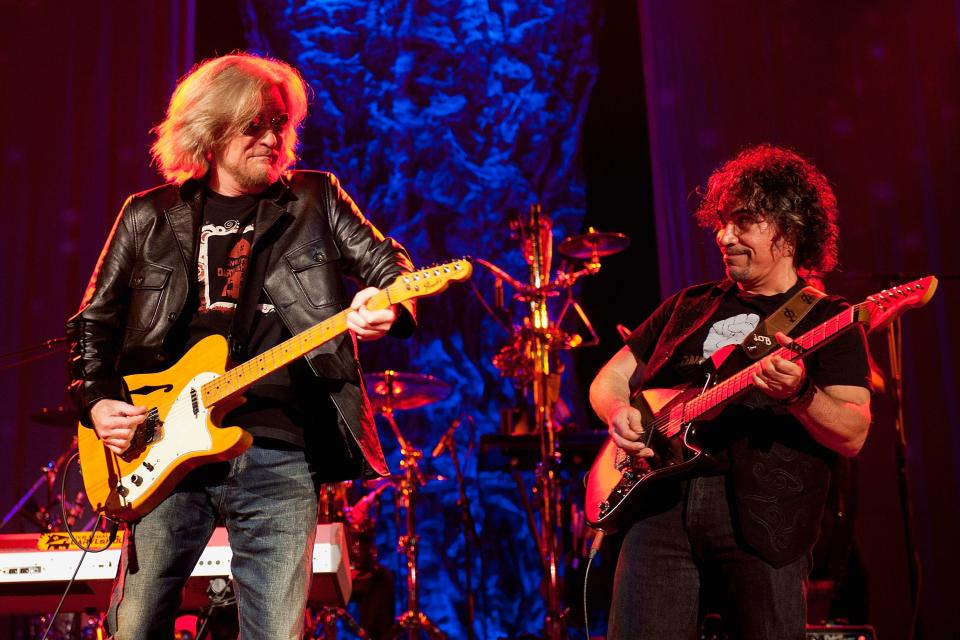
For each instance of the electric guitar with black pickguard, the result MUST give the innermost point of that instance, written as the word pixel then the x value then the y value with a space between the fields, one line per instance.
pixel 619 484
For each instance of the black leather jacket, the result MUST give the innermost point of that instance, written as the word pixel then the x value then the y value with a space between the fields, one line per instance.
pixel 140 285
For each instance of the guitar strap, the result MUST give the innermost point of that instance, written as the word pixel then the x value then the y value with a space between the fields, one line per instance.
pixel 762 340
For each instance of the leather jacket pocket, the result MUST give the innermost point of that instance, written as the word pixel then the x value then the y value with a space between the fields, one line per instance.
pixel 147 285
pixel 315 269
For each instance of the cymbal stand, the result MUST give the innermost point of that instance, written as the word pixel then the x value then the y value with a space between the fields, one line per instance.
pixel 412 622
pixel 326 623
pixel 538 252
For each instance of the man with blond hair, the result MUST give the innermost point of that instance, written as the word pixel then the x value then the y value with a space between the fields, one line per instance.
pixel 238 245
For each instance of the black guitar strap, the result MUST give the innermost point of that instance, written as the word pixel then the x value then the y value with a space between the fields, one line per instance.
pixel 762 340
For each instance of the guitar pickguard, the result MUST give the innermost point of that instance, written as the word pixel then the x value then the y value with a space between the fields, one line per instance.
pixel 181 431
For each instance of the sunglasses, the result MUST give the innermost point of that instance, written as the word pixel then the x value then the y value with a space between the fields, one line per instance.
pixel 259 125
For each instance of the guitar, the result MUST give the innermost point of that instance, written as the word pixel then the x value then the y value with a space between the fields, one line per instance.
pixel 618 483
pixel 188 401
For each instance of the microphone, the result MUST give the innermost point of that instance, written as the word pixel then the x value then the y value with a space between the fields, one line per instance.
pixel 445 439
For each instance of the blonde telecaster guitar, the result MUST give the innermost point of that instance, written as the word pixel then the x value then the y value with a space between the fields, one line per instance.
pixel 188 401
pixel 618 485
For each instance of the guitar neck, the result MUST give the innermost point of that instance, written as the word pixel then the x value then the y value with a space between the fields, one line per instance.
pixel 741 381
pixel 242 376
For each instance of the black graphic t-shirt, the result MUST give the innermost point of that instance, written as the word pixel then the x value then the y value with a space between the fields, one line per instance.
pixel 275 406
pixel 223 259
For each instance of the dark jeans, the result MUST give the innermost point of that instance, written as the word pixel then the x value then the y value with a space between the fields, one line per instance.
pixel 669 556
pixel 268 500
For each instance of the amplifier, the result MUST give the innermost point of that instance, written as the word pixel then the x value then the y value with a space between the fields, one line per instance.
pixel 840 633
pixel 32 580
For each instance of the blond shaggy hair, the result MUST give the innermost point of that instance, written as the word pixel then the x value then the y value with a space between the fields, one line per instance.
pixel 215 102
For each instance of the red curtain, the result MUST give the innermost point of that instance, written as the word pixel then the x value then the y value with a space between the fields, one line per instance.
pixel 870 92
pixel 84 82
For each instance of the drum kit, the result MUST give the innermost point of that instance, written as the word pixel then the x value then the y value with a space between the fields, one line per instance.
pixel 530 358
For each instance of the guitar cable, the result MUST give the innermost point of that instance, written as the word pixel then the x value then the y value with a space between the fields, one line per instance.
pixel 594 548
pixel 86 549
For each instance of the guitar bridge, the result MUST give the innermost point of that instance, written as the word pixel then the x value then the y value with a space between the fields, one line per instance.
pixel 630 466
pixel 146 434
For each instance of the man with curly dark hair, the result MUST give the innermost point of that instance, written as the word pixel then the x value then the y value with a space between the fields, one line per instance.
pixel 736 537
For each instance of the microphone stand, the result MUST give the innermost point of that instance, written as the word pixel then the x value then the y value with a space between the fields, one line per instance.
pixel 48 476
pixel 895 349
pixel 26 355
pixel 469 531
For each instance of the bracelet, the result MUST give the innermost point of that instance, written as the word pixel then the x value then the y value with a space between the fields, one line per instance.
pixel 801 395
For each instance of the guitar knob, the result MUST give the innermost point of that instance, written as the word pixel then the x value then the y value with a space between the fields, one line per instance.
pixel 137 480
pixel 122 490
pixel 148 466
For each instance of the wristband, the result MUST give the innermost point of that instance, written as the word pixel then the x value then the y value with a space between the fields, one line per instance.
pixel 801 395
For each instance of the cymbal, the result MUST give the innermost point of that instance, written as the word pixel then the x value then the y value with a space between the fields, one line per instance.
pixel 409 390
pixel 58 416
pixel 593 244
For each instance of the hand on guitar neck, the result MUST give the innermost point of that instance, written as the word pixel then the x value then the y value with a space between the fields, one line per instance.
pixel 369 324
pixel 116 422
pixel 780 378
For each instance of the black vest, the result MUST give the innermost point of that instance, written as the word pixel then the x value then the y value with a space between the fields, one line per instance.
pixel 779 476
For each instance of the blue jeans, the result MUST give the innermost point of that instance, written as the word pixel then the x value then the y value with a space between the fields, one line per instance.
pixel 267 498
pixel 670 555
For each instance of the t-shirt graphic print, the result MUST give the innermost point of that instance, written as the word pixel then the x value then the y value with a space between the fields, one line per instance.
pixel 222 262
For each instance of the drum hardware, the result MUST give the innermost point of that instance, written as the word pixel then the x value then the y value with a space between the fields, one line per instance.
pixel 396 390
pixel 43 517
pixel 49 517
pixel 359 522
pixel 392 391
pixel 324 624
pixel 219 618
pixel 531 359
pixel 593 245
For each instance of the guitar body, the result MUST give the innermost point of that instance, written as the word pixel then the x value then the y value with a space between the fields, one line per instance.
pixel 618 486
pixel 179 435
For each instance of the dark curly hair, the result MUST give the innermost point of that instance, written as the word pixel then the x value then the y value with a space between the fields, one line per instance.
pixel 786 189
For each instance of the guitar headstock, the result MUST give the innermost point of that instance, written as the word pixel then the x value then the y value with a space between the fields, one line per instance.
pixel 429 281
pixel 884 307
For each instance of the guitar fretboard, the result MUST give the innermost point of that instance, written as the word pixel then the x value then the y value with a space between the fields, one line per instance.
pixel 743 380
pixel 242 376
pixel 405 287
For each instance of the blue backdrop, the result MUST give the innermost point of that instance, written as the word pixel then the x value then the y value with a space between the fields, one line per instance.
pixel 443 119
